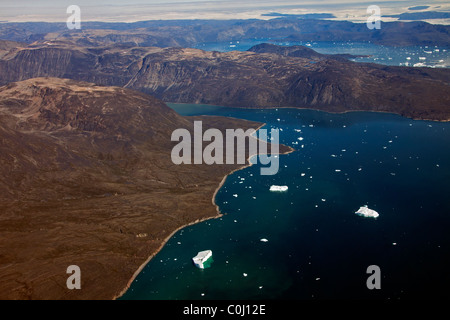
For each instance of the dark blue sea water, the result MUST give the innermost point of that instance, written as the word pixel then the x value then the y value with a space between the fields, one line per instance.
pixel 317 247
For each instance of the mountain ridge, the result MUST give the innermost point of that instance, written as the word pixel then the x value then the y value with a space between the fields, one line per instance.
pixel 270 78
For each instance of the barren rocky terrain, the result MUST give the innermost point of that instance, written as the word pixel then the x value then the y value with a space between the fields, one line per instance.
pixel 86 178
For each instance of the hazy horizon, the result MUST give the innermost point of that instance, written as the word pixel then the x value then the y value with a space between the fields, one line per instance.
pixel 138 10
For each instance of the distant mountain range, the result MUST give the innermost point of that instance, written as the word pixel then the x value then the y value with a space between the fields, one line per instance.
pixel 188 33
pixel 421 15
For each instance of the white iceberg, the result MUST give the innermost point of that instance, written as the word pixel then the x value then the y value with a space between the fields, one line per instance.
pixel 201 258
pixel 366 212
pixel 278 188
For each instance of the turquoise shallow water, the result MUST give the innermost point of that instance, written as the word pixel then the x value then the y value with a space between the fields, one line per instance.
pixel 317 247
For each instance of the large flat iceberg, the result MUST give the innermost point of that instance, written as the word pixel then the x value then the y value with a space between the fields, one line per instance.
pixel 366 212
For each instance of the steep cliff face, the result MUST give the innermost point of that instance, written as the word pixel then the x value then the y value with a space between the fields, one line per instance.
pixel 265 76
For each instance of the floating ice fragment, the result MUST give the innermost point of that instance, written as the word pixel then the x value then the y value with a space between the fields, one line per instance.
pixel 278 188
pixel 235 195
pixel 244 274
pixel 366 212
pixel 264 240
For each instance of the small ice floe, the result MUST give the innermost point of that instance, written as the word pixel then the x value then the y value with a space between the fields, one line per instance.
pixel 264 240
pixel 260 287
pixel 333 156
pixel 394 243
pixel 422 58
pixel 311 126
pixel 408 58
pixel 244 274
pixel 300 139
pixel 337 170
pixel 317 279
pixel 366 212
pixel 303 174
pixel 235 195
pixel 323 200
pixel 278 188
pixel 360 169
pixel 297 130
